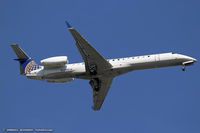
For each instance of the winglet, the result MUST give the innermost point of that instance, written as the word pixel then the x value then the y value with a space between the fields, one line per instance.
pixel 68 25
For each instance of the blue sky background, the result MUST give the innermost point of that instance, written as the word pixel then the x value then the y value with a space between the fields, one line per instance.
pixel 160 100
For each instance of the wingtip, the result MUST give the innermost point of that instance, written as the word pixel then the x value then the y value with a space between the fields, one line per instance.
pixel 95 109
pixel 14 44
pixel 68 25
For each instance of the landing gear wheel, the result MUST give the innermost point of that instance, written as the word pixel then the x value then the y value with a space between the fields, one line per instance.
pixel 91 83
pixel 183 68
pixel 95 84
pixel 96 88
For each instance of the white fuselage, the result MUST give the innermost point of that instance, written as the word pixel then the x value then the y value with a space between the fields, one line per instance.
pixel 120 66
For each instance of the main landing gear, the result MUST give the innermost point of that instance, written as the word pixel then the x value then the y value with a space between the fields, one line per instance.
pixel 93 69
pixel 95 83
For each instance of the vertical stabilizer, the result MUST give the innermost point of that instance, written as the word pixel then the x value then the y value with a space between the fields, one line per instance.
pixel 26 63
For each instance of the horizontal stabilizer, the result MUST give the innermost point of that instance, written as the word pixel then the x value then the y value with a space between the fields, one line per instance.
pixel 68 25
pixel 19 52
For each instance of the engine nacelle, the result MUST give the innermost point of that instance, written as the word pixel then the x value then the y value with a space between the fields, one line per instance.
pixel 56 61
pixel 63 80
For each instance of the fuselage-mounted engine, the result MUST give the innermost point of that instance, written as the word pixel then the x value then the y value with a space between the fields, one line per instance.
pixel 53 62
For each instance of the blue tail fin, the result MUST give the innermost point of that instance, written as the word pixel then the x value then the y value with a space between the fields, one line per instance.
pixel 26 63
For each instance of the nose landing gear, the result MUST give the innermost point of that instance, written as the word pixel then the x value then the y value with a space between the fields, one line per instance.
pixel 187 63
pixel 183 68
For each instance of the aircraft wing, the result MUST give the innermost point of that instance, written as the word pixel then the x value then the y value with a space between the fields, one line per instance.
pixel 89 54
pixel 99 96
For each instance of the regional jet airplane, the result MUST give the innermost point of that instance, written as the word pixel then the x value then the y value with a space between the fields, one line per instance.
pixel 100 71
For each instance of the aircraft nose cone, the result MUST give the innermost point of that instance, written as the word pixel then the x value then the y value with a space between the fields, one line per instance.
pixel 195 60
pixel 190 58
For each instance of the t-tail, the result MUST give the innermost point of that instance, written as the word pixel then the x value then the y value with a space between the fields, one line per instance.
pixel 26 63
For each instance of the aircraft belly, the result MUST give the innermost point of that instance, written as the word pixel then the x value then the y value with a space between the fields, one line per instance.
pixel 118 70
pixel 58 75
pixel 71 74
